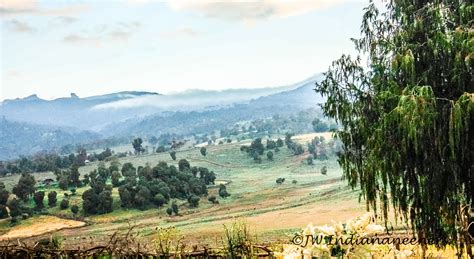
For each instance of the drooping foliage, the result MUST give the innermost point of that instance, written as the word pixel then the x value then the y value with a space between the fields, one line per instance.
pixel 406 107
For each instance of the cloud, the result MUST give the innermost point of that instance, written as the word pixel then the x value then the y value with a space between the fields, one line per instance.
pixel 121 31
pixel 19 26
pixel 32 7
pixel 182 32
pixel 251 11
pixel 66 19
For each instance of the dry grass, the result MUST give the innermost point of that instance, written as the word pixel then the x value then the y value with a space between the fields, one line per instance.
pixel 40 225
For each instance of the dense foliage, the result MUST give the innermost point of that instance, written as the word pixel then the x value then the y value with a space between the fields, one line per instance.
pixel 408 117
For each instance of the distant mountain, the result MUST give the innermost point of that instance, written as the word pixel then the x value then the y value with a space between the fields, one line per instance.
pixel 283 103
pixel 69 111
pixel 32 124
pixel 19 138
pixel 94 113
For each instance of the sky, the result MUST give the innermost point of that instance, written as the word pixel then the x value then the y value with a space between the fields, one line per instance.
pixel 54 48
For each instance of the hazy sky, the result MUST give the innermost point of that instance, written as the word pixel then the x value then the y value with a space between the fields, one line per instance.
pixel 53 48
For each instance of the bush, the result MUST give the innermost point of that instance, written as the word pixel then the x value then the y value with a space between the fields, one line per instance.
pixel 159 200
pixel 52 199
pixel 213 199
pixel 193 201
pixel 39 198
pixel 74 209
pixel 169 211
pixel 173 155
pixel 203 151
pixel 310 160
pixel 280 180
pixel 64 204
pixel 160 149
pixel 324 170
pixel 175 208
pixel 270 155
pixel 223 191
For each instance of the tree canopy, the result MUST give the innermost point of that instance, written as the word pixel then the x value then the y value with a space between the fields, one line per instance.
pixel 406 107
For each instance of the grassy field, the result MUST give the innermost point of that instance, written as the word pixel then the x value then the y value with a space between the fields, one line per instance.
pixel 272 211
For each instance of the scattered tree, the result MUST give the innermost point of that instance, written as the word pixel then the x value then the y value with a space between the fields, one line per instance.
pixel 74 209
pixel 203 151
pixel 324 170
pixel 39 199
pixel 25 186
pixel 137 146
pixel 64 204
pixel 52 199
pixel 270 155
pixel 173 155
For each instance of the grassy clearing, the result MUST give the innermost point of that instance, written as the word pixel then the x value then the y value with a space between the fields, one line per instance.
pixel 271 209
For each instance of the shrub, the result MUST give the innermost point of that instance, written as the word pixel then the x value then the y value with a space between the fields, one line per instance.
pixel 213 199
pixel 324 170
pixel 159 200
pixel 270 155
pixel 173 155
pixel 74 209
pixel 169 211
pixel 64 204
pixel 193 201
pixel 223 191
pixel 52 199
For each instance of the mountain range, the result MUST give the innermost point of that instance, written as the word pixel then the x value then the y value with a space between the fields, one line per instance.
pixel 36 124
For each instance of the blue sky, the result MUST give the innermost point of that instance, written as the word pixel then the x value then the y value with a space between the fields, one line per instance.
pixel 53 48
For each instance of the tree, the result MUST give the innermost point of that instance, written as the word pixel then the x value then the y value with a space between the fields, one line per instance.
pixel 105 202
pixel 64 204
pixel 143 198
pixel 270 155
pixel 125 197
pixel 280 180
pixel 63 183
pixel 183 164
pixel 3 211
pixel 160 149
pixel 159 200
pixel 310 160
pixel 324 170
pixel 116 176
pixel 137 146
pixel 25 186
pixel 74 176
pixel 411 104
pixel 193 201
pixel 52 198
pixel 39 199
pixel 175 208
pixel 173 155
pixel 279 142
pixel 223 191
pixel 203 151
pixel 4 194
pixel 90 201
pixel 15 207
pixel 319 126
pixel 169 211
pixel 213 199
pixel 74 209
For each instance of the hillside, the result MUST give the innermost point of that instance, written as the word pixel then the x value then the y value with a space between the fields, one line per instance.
pixel 193 122
pixel 19 138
